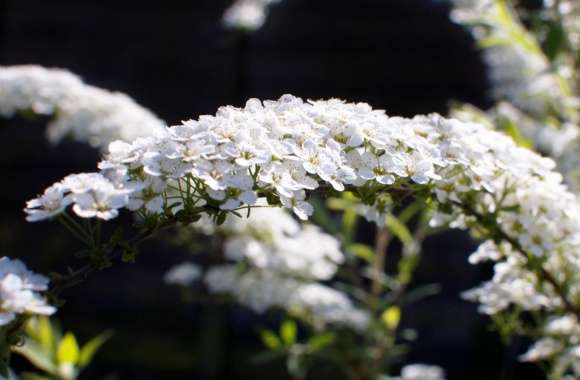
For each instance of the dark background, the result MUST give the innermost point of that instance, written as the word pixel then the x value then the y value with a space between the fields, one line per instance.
pixel 175 58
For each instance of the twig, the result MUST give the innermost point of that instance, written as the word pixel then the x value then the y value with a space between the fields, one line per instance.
pixel 381 243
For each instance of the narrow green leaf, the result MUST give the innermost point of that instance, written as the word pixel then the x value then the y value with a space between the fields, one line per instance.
pixel 68 350
pixel 92 346
pixel 514 132
pixel 288 332
pixel 348 226
pixel 362 251
pixel 407 266
pixel 270 339
pixel 35 354
pixel 322 217
pixel 318 342
pixel 555 40
pixel 338 204
pixel 399 229
pixel 46 336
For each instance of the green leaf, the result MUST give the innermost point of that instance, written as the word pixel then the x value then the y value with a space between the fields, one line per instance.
pixel 45 335
pixel 407 266
pixel 399 229
pixel 270 339
pixel 288 332
pixel 391 317
pixel 420 293
pixel 68 350
pixel 514 132
pixel 35 354
pixel 554 40
pixel 92 346
pixel 221 218
pixel 362 251
pixel 348 226
pixel 318 342
pixel 322 217
pixel 338 204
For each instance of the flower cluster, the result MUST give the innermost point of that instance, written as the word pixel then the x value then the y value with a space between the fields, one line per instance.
pixel 518 70
pixel 93 195
pixel 270 239
pixel 262 290
pixel 537 98
pixel 247 15
pixel 284 149
pixel 421 372
pixel 569 12
pixel 20 291
pixel 534 95
pixel 561 344
pixel 184 274
pixel 85 113
pixel 284 262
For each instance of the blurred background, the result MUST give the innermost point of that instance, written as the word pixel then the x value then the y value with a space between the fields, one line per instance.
pixel 177 59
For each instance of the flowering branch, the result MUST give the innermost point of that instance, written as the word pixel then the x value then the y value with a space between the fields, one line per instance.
pixel 542 273
pixel 284 150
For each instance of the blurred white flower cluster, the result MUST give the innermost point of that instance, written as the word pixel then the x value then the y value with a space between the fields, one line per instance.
pixel 421 372
pixel 20 291
pixel 284 262
pixel 536 95
pixel 570 13
pixel 82 112
pixel 562 342
pixel 184 274
pixel 247 15
pixel 283 149
pixel 517 68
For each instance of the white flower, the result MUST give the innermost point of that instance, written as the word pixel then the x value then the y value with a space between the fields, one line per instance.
pixel 94 196
pixel 246 154
pixel 486 251
pixel 278 175
pixel 102 203
pixel 542 349
pixel 183 274
pixel 150 195
pixel 239 191
pixel 298 205
pixel 19 291
pixel 314 159
pixel 247 15
pixel 377 168
pixel 51 203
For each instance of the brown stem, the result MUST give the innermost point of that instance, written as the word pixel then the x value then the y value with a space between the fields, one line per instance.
pixel 381 243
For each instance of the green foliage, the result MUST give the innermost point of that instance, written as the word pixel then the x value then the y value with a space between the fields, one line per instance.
pixel 59 357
